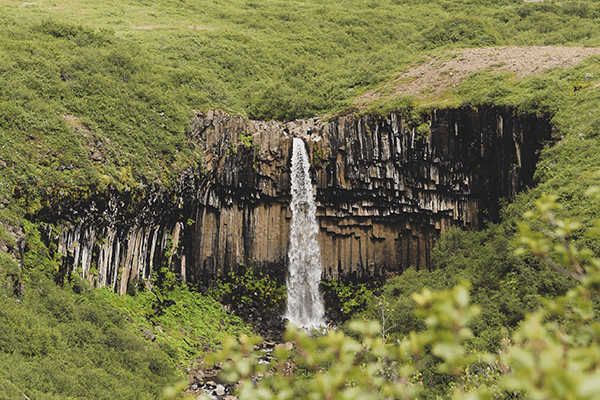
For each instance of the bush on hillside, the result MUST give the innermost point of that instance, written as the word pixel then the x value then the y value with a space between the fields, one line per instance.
pixel 57 344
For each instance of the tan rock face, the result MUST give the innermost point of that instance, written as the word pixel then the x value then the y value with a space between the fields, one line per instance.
pixel 385 190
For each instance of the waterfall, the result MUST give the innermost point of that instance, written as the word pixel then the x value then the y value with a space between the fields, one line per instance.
pixel 305 302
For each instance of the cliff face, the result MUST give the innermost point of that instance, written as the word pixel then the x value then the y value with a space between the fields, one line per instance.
pixel 385 189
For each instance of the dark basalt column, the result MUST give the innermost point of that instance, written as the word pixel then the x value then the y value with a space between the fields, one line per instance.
pixel 385 191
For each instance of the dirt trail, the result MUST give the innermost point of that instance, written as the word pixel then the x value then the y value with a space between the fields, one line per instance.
pixel 453 67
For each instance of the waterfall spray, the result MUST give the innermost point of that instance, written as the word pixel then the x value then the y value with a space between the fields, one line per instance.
pixel 305 302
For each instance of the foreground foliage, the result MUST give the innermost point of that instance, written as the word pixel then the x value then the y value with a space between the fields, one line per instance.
pixel 552 354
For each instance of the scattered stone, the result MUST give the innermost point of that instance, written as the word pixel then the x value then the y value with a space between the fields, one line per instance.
pixel 287 345
pixel 199 376
pixel 432 77
pixel 149 335
pixel 97 156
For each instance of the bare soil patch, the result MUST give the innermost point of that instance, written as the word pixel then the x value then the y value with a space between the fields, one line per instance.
pixel 148 26
pixel 453 67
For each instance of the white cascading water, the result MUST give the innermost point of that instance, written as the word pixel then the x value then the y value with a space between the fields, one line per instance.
pixel 305 307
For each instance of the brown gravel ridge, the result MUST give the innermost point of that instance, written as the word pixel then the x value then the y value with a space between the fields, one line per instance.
pixel 450 69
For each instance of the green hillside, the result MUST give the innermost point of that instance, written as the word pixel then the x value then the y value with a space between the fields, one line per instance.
pixel 119 80
pixel 97 96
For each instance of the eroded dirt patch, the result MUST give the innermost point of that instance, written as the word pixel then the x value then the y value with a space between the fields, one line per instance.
pixel 453 67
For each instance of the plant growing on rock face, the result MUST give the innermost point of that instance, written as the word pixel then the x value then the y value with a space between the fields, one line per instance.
pixel 231 150
pixel 423 130
pixel 246 140
pixel 164 280
pixel 318 156
pixel 417 120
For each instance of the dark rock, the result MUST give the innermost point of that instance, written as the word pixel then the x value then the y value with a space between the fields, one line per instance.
pixel 384 194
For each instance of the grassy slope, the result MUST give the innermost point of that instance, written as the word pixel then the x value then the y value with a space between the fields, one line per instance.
pixel 119 80
pixel 186 330
pixel 81 343
pixel 56 344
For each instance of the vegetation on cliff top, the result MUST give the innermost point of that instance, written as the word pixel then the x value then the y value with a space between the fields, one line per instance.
pixel 97 95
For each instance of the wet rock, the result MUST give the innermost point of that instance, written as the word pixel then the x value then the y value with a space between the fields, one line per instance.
pixel 198 376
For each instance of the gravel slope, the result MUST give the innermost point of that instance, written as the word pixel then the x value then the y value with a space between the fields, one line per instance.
pixel 454 66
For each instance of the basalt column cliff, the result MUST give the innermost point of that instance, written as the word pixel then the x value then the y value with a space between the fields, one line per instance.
pixel 385 189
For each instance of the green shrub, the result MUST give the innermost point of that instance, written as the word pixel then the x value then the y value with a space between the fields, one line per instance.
pixel 460 30
pixel 344 300
pixel 190 325
pixel 504 285
pixel 250 290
